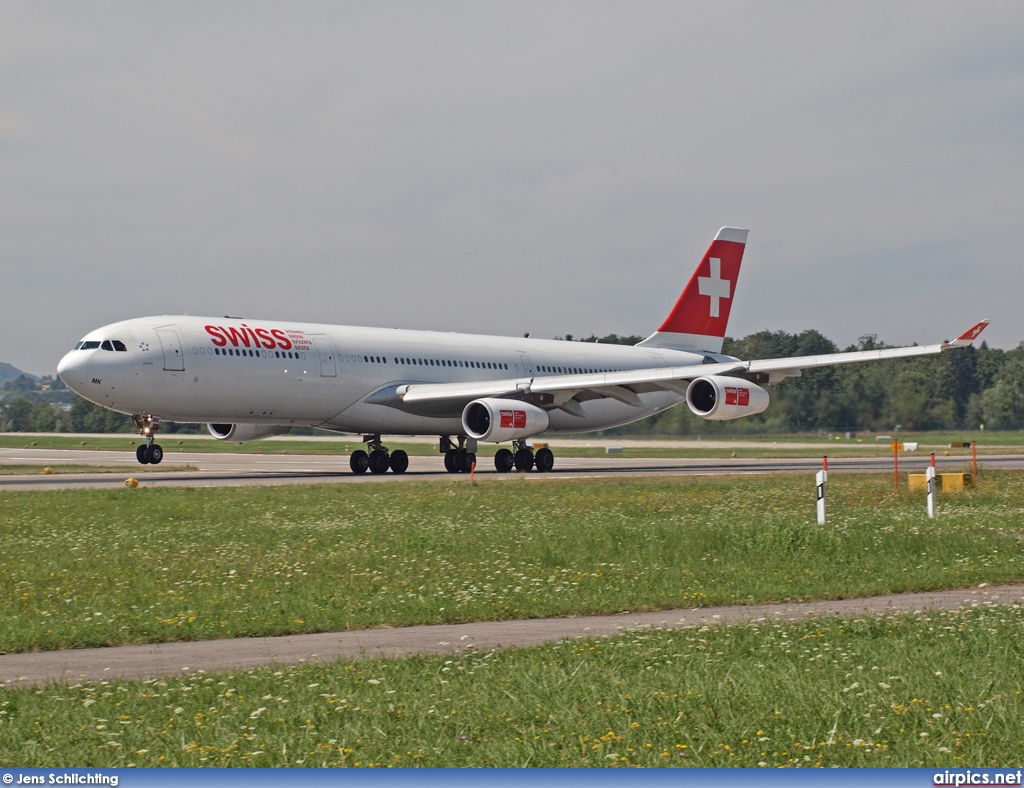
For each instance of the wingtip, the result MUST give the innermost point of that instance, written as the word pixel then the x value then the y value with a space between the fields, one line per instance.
pixel 970 334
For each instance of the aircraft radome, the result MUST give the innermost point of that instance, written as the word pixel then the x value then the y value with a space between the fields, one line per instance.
pixel 250 379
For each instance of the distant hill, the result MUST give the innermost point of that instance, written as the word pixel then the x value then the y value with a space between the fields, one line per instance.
pixel 10 372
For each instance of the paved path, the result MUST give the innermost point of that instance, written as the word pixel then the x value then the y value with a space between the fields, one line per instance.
pixel 150 661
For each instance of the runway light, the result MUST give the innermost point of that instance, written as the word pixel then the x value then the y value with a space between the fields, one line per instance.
pixel 47 470
pixel 131 482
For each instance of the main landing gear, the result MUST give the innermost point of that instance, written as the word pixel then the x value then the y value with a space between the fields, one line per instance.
pixel 523 458
pixel 151 453
pixel 460 458
pixel 378 460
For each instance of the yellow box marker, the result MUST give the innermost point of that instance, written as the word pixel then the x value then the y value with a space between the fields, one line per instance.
pixel 954 482
pixel 918 481
pixel 947 482
pixel 131 482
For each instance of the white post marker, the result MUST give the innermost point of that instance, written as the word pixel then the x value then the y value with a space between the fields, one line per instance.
pixel 821 477
pixel 930 476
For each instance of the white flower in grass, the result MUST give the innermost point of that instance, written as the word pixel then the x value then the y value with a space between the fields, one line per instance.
pixel 256 714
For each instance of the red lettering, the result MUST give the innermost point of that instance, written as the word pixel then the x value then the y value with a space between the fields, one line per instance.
pixel 519 419
pixel 744 397
pixel 507 419
pixel 283 342
pixel 268 341
pixel 730 395
pixel 218 338
pixel 234 336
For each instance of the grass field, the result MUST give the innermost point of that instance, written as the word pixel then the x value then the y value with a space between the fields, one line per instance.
pixel 89 568
pixel 936 690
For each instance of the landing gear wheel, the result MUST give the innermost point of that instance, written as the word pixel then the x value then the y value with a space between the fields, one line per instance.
pixel 544 460
pixel 359 461
pixel 449 461
pixel 399 461
pixel 140 454
pixel 524 460
pixel 467 460
pixel 154 454
pixel 504 461
pixel 378 461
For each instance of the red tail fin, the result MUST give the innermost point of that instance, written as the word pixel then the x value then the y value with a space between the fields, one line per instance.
pixel 701 315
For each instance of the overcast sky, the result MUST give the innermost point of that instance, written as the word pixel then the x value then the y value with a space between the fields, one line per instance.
pixel 509 167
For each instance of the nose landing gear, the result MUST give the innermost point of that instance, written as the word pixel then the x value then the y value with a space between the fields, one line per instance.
pixel 151 453
pixel 378 460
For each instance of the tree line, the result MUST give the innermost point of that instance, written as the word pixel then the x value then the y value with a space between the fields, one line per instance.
pixel 960 389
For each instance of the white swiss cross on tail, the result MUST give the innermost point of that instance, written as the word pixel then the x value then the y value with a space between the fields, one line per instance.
pixel 696 324
pixel 714 286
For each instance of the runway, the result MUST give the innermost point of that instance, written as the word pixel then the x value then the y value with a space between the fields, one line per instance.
pixel 163 659
pixel 199 469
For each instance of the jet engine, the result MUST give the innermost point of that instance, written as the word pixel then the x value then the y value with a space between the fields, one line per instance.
pixel 722 398
pixel 500 420
pixel 243 433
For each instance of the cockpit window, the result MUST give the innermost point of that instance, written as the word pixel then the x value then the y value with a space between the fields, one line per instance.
pixel 119 346
pixel 106 345
pixel 91 344
pixel 78 345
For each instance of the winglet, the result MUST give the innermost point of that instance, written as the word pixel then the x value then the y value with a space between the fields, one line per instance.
pixel 969 335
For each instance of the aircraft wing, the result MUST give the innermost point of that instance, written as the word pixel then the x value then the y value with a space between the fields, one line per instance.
pixel 563 391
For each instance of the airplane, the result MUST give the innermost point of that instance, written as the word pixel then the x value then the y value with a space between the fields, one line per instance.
pixel 252 379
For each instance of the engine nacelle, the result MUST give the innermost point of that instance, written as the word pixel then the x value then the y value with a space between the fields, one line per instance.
pixel 243 433
pixel 500 420
pixel 722 398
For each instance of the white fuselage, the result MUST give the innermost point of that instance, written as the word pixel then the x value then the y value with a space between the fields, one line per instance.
pixel 342 378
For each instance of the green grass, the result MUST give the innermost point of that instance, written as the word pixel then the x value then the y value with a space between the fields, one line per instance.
pixel 935 690
pixel 104 567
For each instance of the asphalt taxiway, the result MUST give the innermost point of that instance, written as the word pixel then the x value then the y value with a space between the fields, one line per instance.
pixel 199 469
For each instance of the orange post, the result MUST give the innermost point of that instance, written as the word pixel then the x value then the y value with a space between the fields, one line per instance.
pixel 896 463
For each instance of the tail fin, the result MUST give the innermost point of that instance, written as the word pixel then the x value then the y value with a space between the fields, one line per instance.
pixel 701 315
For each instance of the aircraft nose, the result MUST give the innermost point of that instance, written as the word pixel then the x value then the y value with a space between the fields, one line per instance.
pixel 73 369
